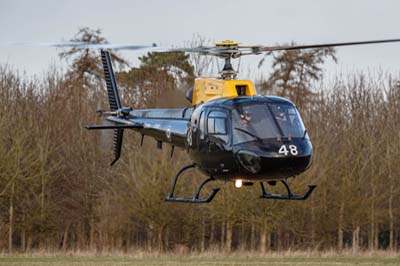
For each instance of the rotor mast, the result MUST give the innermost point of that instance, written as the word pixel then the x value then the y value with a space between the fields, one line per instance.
pixel 229 50
pixel 228 72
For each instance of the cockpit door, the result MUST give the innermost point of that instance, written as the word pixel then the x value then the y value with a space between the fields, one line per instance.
pixel 217 129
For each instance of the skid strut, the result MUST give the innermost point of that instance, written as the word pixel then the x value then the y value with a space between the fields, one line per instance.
pixel 289 195
pixel 196 198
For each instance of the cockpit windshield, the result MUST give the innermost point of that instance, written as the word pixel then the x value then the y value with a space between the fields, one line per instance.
pixel 252 122
pixel 263 121
pixel 288 120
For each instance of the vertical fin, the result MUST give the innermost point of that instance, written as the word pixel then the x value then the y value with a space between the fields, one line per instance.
pixel 112 89
pixel 114 100
pixel 118 135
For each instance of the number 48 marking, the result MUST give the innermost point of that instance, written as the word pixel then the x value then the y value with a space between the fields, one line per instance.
pixel 292 149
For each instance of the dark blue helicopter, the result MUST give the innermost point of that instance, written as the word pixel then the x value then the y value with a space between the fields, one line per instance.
pixel 230 133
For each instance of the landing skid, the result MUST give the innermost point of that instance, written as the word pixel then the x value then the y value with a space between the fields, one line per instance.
pixel 289 195
pixel 196 198
pixel 265 195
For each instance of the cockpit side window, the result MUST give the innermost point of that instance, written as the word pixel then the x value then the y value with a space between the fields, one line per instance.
pixel 217 123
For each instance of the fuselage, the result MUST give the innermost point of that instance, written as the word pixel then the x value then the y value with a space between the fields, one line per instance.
pixel 247 138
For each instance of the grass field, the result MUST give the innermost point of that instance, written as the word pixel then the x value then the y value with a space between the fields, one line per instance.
pixel 199 261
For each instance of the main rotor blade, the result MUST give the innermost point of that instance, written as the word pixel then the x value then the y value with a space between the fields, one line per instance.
pixel 233 52
pixel 298 47
pixel 84 45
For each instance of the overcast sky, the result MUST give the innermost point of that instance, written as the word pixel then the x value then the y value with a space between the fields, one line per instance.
pixel 174 22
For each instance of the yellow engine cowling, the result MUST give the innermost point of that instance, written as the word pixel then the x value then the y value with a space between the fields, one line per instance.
pixel 206 89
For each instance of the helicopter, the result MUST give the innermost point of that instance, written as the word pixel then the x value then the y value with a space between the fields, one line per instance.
pixel 229 132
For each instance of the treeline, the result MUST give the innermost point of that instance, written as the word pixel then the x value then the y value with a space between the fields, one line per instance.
pixel 58 192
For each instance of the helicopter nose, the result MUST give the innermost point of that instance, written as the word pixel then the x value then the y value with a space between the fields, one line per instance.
pixel 249 161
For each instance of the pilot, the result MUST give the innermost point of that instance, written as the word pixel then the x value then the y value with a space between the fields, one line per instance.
pixel 281 116
pixel 245 117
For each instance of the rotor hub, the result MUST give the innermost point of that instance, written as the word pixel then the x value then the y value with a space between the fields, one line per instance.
pixel 227 43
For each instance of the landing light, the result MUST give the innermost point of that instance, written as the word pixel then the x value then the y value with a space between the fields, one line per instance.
pixel 238 183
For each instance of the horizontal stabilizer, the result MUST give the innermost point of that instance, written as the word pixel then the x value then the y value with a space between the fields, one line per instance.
pixel 113 126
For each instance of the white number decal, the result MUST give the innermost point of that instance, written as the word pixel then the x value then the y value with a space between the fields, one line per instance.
pixel 189 136
pixel 283 150
pixel 292 148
